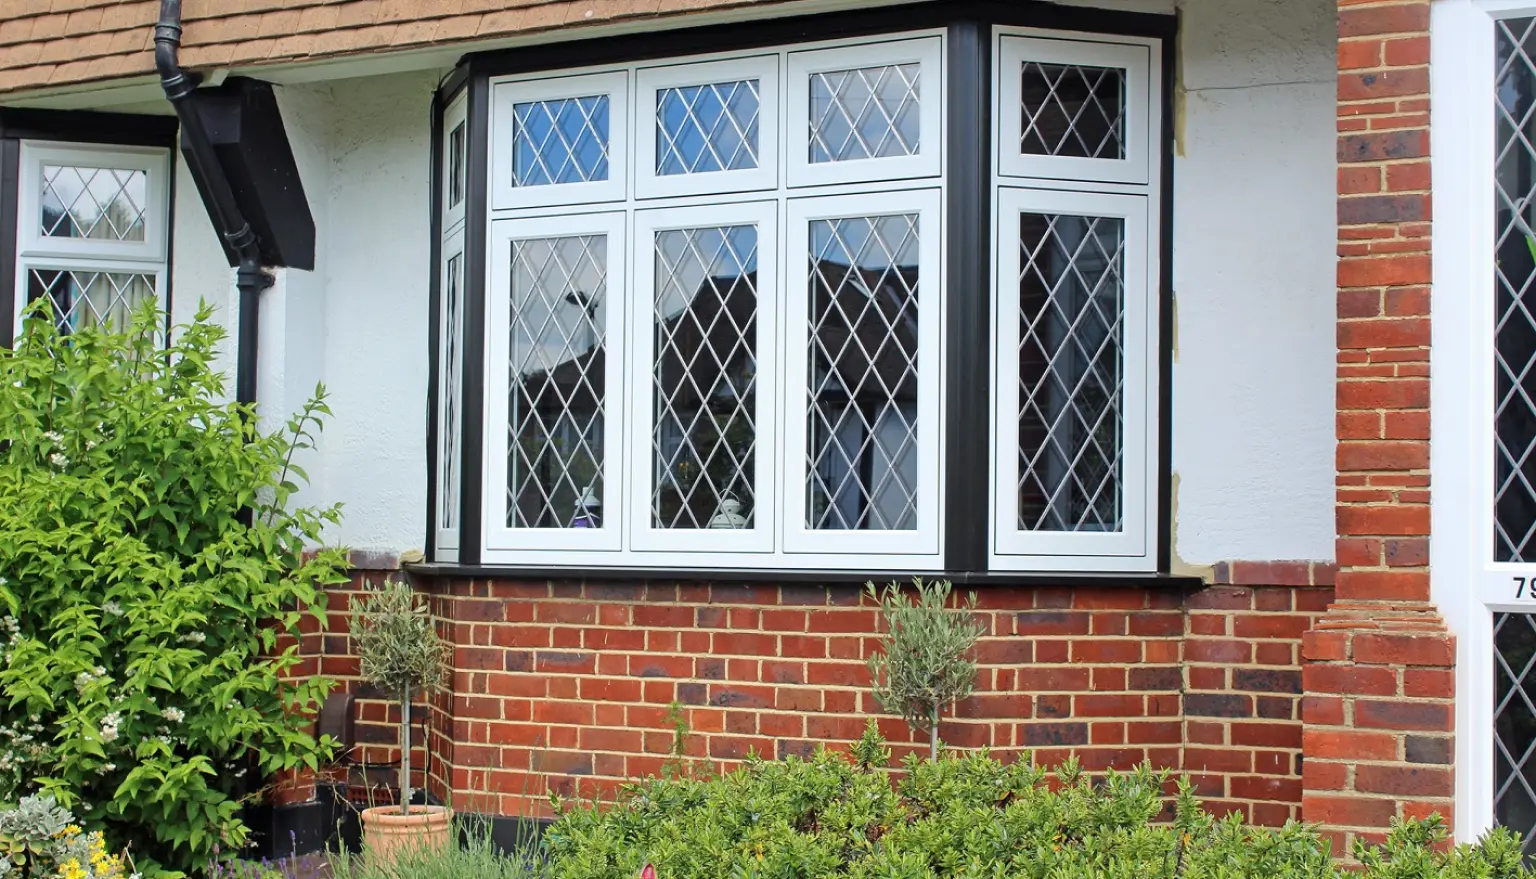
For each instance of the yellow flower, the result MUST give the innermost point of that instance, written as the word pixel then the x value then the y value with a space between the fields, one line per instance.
pixel 71 869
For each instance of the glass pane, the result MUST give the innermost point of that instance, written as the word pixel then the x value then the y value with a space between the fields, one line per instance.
pixel 704 422
pixel 1514 365
pixel 1514 725
pixel 707 128
pixel 867 113
pixel 563 141
pixel 1073 110
pixel 558 358
pixel 88 299
pixel 862 452
pixel 101 203
pixel 456 165
pixel 1071 372
pixel 448 406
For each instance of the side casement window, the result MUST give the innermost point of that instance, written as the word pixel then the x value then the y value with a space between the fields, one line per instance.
pixel 717 311
pixel 92 229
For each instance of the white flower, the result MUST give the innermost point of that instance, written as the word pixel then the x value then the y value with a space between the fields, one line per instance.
pixel 58 460
pixel 109 767
pixel 112 608
pixel 195 637
pixel 174 715
pixel 55 437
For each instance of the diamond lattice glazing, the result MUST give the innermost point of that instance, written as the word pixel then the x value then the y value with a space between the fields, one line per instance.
pixel 1071 372
pixel 558 384
pixel 862 449
pixel 866 113
pixel 87 299
pixel 704 427
pixel 1073 110
pixel 1515 325
pixel 97 203
pixel 1514 722
pixel 453 371
pixel 560 141
pixel 707 128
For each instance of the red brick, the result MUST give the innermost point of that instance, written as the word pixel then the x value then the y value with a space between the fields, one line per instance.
pixel 1402 649
pixel 1383 271
pixel 1405 781
pixel 1346 811
pixel 1350 680
pixel 1405 18
pixel 1350 745
pixel 1397 715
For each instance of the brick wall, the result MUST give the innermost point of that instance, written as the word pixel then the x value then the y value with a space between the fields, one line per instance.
pixel 566 686
pixel 1378 680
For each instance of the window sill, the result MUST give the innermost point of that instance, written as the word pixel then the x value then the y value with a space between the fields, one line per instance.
pixel 959 578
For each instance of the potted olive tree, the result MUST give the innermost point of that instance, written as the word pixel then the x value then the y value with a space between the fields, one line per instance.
pixel 925 663
pixel 401 655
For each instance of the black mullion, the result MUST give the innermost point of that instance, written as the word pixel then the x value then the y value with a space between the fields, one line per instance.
pixel 10 204
pixel 1164 427
pixel 968 229
pixel 473 287
pixel 434 321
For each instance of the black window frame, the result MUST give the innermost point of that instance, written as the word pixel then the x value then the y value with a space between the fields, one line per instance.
pixel 72 126
pixel 968 107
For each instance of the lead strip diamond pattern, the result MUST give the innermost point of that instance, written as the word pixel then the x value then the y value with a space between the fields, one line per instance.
pixel 91 299
pixel 707 128
pixel 1071 375
pixel 1073 110
pixel 861 467
pixel 1514 722
pixel 558 361
pixel 1515 325
pixel 97 203
pixel 453 371
pixel 866 113
pixel 704 426
pixel 560 141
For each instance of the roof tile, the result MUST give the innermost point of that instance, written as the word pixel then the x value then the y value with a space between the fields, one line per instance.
pixel 67 42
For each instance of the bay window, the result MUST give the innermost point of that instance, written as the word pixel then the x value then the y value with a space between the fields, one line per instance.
pixel 698 313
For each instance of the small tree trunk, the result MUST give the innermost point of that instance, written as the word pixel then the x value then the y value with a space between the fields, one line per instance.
pixel 933 733
pixel 405 753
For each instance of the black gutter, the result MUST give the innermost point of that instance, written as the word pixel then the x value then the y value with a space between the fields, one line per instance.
pixel 250 278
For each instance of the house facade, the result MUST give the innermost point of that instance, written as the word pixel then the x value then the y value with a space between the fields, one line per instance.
pixel 654 330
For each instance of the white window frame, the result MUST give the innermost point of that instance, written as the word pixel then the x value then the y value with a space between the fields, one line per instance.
pixel 507 92
pixel 153 161
pixel 926 51
pixel 1137 59
pixel 651 81
pixel 925 540
pixel 644 537
pixel 84 255
pixel 1108 188
pixel 1093 550
pixel 1466 584
pixel 457 114
pixel 554 545
pixel 630 210
pixel 447 518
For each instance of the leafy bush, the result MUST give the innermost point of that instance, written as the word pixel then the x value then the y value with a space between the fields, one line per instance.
pixel 925 662
pixel 40 839
pixel 149 566
pixel 400 653
pixel 830 818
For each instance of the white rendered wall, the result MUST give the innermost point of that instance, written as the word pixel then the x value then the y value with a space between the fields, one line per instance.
pixel 1254 254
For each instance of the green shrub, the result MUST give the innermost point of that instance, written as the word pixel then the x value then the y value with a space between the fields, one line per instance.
pixel 971 816
pixel 148 567
pixel 477 857
pixel 925 659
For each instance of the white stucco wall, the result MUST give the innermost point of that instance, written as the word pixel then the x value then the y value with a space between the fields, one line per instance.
pixel 1253 275
pixel 358 322
pixel 1254 253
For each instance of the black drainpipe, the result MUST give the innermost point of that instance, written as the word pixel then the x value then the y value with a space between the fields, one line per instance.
pixel 250 278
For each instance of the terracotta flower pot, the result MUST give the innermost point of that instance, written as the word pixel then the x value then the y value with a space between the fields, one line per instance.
pixel 387 833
